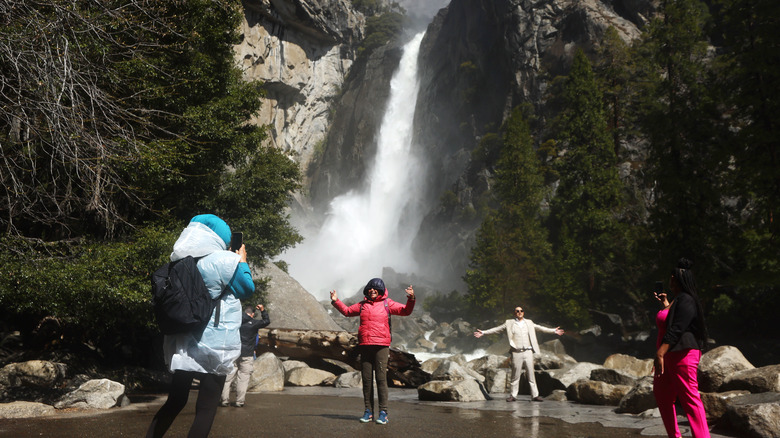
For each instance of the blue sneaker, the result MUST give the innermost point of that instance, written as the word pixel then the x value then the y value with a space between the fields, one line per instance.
pixel 382 419
pixel 367 416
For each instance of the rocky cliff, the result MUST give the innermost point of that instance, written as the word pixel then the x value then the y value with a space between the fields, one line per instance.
pixel 479 60
pixel 301 50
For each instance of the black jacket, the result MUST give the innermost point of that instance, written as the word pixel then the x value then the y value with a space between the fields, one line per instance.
pixel 248 330
pixel 683 324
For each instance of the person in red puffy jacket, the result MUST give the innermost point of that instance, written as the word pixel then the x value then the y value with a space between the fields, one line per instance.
pixel 374 339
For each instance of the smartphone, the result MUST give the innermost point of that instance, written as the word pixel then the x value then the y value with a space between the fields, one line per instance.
pixel 659 287
pixel 236 240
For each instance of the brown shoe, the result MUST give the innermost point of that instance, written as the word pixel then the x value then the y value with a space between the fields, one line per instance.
pixel 537 399
pixel 511 399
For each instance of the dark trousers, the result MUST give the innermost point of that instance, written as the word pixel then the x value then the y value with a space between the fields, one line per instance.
pixel 205 409
pixel 373 364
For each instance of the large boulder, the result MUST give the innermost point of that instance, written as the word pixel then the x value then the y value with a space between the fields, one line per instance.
pixel 596 393
pixel 613 377
pixel 38 373
pixel 95 394
pixel 405 330
pixel 629 365
pixel 451 370
pixel 718 364
pixel 268 374
pixel 447 390
pixel 497 380
pixel 305 376
pixel 290 305
pixel 639 399
pixel 24 409
pixel 352 379
pixel 488 362
pixel 430 365
pixel 549 380
pixel 756 415
pixel 548 360
pixel 716 403
pixel 764 379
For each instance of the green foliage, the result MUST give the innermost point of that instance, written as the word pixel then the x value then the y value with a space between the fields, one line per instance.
pixel 253 198
pixel 615 70
pixel 687 166
pixel 511 248
pixel 98 292
pixel 585 210
pixel 749 77
pixel 148 124
pixel 380 30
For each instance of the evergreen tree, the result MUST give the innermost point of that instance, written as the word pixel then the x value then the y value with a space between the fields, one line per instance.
pixel 686 166
pixel 749 75
pixel 511 251
pixel 586 209
pixel 615 70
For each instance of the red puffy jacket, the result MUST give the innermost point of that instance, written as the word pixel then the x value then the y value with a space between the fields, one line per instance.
pixel 374 321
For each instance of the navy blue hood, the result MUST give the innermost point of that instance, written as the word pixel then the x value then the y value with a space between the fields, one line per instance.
pixel 375 283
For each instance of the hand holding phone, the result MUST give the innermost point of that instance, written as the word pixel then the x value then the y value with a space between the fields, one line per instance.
pixel 236 240
pixel 659 293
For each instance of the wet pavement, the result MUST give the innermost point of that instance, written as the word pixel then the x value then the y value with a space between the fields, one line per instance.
pixel 333 412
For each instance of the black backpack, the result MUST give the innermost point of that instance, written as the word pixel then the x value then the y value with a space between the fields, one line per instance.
pixel 181 300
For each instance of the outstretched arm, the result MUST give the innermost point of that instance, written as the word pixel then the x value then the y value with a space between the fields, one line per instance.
pixel 353 310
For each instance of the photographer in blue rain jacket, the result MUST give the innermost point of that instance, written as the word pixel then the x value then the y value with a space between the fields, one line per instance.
pixel 209 357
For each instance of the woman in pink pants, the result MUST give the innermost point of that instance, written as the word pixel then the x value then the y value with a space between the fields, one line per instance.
pixel 682 335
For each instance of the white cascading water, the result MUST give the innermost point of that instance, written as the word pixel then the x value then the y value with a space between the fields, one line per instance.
pixel 372 227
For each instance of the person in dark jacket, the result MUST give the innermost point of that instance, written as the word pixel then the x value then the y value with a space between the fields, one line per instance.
pixel 678 355
pixel 244 364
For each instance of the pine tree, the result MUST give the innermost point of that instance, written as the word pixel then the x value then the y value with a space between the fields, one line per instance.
pixel 511 248
pixel 588 201
pixel 748 72
pixel 686 165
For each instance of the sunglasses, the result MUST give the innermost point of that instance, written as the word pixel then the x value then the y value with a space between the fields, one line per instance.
pixel 518 311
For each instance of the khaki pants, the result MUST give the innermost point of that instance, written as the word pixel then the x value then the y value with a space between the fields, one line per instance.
pixel 241 374
pixel 520 360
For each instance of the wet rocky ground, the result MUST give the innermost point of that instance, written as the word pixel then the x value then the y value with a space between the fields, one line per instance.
pixel 333 412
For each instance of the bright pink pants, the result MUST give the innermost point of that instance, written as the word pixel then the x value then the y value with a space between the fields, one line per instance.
pixel 679 381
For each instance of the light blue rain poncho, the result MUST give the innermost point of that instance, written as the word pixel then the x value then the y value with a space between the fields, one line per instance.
pixel 208 236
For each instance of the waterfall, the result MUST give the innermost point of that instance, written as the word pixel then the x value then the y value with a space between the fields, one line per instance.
pixel 372 226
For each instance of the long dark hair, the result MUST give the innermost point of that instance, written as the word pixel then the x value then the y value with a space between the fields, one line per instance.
pixel 684 276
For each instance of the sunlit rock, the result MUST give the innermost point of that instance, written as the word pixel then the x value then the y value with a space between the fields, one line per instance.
pixel 95 394
pixel 718 364
pixel 596 393
pixel 762 379
pixel 267 374
pixel 448 390
pixel 639 399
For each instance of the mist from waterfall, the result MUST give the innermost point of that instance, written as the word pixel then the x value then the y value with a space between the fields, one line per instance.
pixel 372 226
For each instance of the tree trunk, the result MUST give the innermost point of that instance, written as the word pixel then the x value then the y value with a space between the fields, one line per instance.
pixel 403 369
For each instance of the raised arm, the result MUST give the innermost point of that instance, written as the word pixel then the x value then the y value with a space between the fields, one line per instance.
pixel 353 310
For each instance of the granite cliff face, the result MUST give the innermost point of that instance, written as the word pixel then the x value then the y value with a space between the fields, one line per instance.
pixel 479 59
pixel 301 50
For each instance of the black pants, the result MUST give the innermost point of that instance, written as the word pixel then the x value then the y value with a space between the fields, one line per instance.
pixel 205 409
pixel 373 363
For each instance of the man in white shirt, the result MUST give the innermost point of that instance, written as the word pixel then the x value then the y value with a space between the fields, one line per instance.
pixel 523 345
